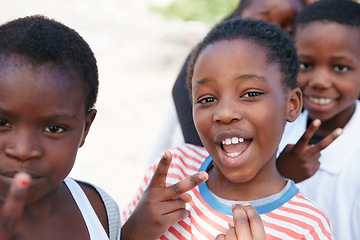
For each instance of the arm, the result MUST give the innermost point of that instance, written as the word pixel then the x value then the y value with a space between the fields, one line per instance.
pixel 183 107
pixel 159 206
pixel 301 161
pixel 13 206
pixel 246 224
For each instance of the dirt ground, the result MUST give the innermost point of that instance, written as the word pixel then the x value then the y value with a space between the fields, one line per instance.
pixel 139 55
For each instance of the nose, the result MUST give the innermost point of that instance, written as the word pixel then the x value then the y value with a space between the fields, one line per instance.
pixel 228 111
pixel 23 146
pixel 320 79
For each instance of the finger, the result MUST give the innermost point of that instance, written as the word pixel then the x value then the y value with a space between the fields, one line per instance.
pixel 305 138
pixel 256 225
pixel 186 184
pixel 231 234
pixel 231 224
pixel 220 237
pixel 176 216
pixel 328 139
pixel 186 197
pixel 159 177
pixel 172 205
pixel 315 167
pixel 241 222
pixel 14 204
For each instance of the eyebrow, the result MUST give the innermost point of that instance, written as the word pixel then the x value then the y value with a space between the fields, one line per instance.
pixel 335 58
pixel 346 58
pixel 66 117
pixel 241 77
pixel 252 76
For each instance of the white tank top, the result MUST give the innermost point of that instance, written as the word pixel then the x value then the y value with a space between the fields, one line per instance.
pixel 93 224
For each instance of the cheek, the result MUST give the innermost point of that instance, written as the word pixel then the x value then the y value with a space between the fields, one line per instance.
pixel 271 116
pixel 66 149
pixel 200 121
pixel 203 120
pixel 302 80
pixel 350 91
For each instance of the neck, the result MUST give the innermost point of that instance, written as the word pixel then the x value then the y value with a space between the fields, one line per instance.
pixel 267 182
pixel 338 121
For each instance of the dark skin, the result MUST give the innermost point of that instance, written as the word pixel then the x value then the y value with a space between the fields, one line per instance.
pixel 327 74
pixel 300 161
pixel 12 209
pixel 12 212
pixel 160 206
pixel 43 123
pixel 246 224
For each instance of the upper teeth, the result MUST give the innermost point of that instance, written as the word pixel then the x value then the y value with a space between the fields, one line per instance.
pixel 321 101
pixel 233 140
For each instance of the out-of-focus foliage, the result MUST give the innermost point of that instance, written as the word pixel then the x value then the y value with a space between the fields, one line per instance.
pixel 208 11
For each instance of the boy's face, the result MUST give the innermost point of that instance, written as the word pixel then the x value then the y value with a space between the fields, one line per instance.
pixel 239 107
pixel 280 12
pixel 42 125
pixel 329 74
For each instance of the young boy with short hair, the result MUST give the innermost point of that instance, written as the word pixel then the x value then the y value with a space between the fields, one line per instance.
pixel 327 36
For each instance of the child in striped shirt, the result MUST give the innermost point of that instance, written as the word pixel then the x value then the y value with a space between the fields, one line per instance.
pixel 242 80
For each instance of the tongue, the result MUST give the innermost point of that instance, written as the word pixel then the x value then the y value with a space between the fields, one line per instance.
pixel 236 148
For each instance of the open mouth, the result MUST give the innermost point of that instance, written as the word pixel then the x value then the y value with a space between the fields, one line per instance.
pixel 234 146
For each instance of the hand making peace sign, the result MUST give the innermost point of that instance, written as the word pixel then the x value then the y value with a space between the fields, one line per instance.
pixel 300 161
pixel 160 206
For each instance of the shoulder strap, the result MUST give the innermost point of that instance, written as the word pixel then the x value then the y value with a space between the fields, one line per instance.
pixel 93 224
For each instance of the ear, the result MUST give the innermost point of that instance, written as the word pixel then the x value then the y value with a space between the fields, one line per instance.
pixel 89 118
pixel 294 104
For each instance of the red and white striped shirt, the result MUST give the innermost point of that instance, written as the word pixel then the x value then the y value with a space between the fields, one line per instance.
pixel 292 216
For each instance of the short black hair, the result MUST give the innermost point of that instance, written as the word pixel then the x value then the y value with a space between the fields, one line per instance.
pixel 42 40
pixel 278 45
pixel 346 12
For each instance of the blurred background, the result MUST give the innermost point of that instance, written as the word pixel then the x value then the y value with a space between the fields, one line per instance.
pixel 140 46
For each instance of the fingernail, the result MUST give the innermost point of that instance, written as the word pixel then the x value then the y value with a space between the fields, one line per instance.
pixel 203 176
pixel 231 224
pixel 22 180
pixel 317 122
pixel 338 131
pixel 23 183
pixel 246 204
pixel 234 204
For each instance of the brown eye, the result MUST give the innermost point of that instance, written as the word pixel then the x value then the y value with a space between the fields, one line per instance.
pixel 207 100
pixel 4 123
pixel 305 66
pixel 341 68
pixel 251 94
pixel 54 129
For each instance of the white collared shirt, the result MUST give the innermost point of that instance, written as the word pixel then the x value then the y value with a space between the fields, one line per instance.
pixel 335 187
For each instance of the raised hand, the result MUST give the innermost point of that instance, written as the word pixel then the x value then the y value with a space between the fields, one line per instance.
pixel 12 208
pixel 160 206
pixel 246 224
pixel 300 161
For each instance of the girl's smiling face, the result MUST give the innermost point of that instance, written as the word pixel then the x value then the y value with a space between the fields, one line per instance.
pixel 240 108
pixel 329 76
pixel 43 122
